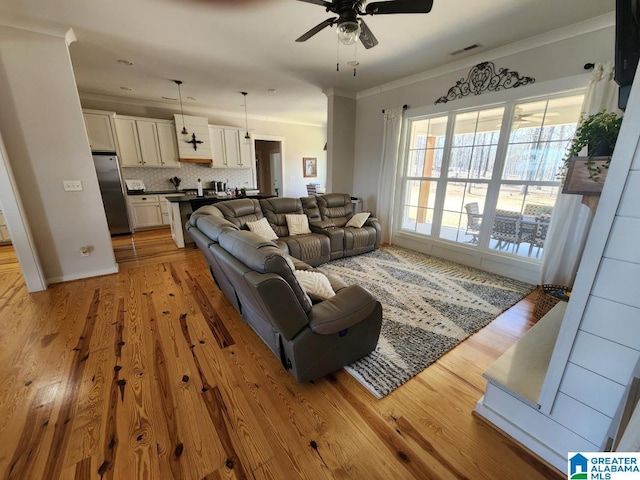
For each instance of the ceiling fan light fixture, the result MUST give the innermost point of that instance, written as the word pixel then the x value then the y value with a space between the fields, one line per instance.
pixel 348 32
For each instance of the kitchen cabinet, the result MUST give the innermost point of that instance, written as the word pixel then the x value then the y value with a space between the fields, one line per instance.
pixel 146 142
pixel 99 126
pixel 4 231
pixel 145 211
pixel 148 139
pixel 229 148
pixel 130 155
pixel 167 144
pixel 149 211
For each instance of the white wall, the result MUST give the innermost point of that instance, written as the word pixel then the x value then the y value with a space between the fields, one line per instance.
pixel 341 114
pixel 43 129
pixel 557 60
pixel 299 140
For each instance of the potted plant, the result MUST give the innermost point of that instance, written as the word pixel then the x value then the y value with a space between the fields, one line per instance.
pixel 597 133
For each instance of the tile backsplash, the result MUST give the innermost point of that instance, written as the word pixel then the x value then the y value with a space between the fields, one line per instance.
pixel 158 178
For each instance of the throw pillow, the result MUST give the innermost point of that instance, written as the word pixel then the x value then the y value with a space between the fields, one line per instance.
pixel 297 224
pixel 315 284
pixel 358 220
pixel 261 227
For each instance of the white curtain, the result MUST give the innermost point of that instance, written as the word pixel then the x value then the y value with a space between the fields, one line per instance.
pixel 571 219
pixel 388 170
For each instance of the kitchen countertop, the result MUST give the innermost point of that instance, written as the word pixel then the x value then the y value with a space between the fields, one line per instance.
pixel 210 198
pixel 154 192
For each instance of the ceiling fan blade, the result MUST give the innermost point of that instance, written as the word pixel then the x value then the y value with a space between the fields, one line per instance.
pixel 316 29
pixel 322 3
pixel 367 38
pixel 399 6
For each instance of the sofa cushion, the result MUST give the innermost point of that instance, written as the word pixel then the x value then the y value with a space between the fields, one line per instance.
pixel 262 256
pixel 204 210
pixel 240 211
pixel 212 225
pixel 298 224
pixel 336 207
pixel 358 220
pixel 311 208
pixel 276 209
pixel 316 284
pixel 262 228
pixel 313 248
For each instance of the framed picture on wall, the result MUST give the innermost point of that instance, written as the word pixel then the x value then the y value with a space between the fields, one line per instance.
pixel 310 167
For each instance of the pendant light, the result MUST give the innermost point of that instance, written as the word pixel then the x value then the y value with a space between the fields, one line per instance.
pixel 246 121
pixel 184 132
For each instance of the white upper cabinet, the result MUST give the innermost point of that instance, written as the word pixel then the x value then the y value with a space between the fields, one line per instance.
pixel 232 147
pixel 229 147
pixel 99 130
pixel 148 138
pixel 167 144
pixel 147 142
pixel 216 138
pixel 246 158
pixel 128 142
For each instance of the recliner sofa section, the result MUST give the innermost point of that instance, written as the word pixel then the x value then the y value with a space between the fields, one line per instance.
pixel 328 216
pixel 338 209
pixel 310 339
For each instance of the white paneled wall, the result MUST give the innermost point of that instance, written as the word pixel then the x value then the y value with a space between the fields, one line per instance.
pixel 598 346
pixel 607 345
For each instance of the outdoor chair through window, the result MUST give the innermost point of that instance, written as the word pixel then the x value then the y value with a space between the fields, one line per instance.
pixel 474 221
pixel 540 235
pixel 506 229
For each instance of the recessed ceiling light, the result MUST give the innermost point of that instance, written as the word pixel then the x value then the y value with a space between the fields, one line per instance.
pixel 272 90
pixel 191 98
pixel 125 62
pixel 125 88
pixel 169 98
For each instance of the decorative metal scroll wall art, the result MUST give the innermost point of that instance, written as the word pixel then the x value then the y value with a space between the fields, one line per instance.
pixel 483 77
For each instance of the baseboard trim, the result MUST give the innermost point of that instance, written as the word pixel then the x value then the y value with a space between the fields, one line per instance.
pixel 543 452
pixel 80 276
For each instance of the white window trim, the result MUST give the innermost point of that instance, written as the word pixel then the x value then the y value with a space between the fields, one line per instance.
pixel 512 266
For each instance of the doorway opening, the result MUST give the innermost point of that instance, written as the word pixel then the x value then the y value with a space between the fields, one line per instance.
pixel 269 166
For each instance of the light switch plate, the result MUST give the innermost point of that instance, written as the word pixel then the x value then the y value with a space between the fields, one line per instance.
pixel 72 185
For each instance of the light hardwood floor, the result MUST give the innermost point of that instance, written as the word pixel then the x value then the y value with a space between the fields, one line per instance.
pixel 151 374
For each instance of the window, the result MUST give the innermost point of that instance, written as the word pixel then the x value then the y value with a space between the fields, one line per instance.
pixel 488 178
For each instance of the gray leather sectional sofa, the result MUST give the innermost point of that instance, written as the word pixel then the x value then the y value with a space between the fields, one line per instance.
pixel 310 338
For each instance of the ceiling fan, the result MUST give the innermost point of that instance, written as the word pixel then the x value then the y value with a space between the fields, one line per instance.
pixel 350 27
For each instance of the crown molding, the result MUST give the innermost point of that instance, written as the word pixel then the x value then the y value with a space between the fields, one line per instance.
pixel 592 25
pixel 22 22
pixel 338 92
pixel 172 108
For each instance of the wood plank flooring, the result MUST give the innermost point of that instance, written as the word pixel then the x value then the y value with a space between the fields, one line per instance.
pixel 151 374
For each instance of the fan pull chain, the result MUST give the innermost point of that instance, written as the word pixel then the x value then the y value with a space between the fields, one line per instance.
pixel 337 55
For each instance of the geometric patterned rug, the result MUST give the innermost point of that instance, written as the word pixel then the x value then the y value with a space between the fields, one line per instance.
pixel 429 306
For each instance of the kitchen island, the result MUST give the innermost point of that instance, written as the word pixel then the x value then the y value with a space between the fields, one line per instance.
pixel 181 208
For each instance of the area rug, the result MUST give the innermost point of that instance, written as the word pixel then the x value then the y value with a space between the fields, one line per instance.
pixel 429 306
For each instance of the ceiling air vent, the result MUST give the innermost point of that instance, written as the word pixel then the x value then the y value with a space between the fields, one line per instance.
pixel 465 49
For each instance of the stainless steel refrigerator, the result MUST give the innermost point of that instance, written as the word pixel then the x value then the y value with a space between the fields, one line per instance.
pixel 113 196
